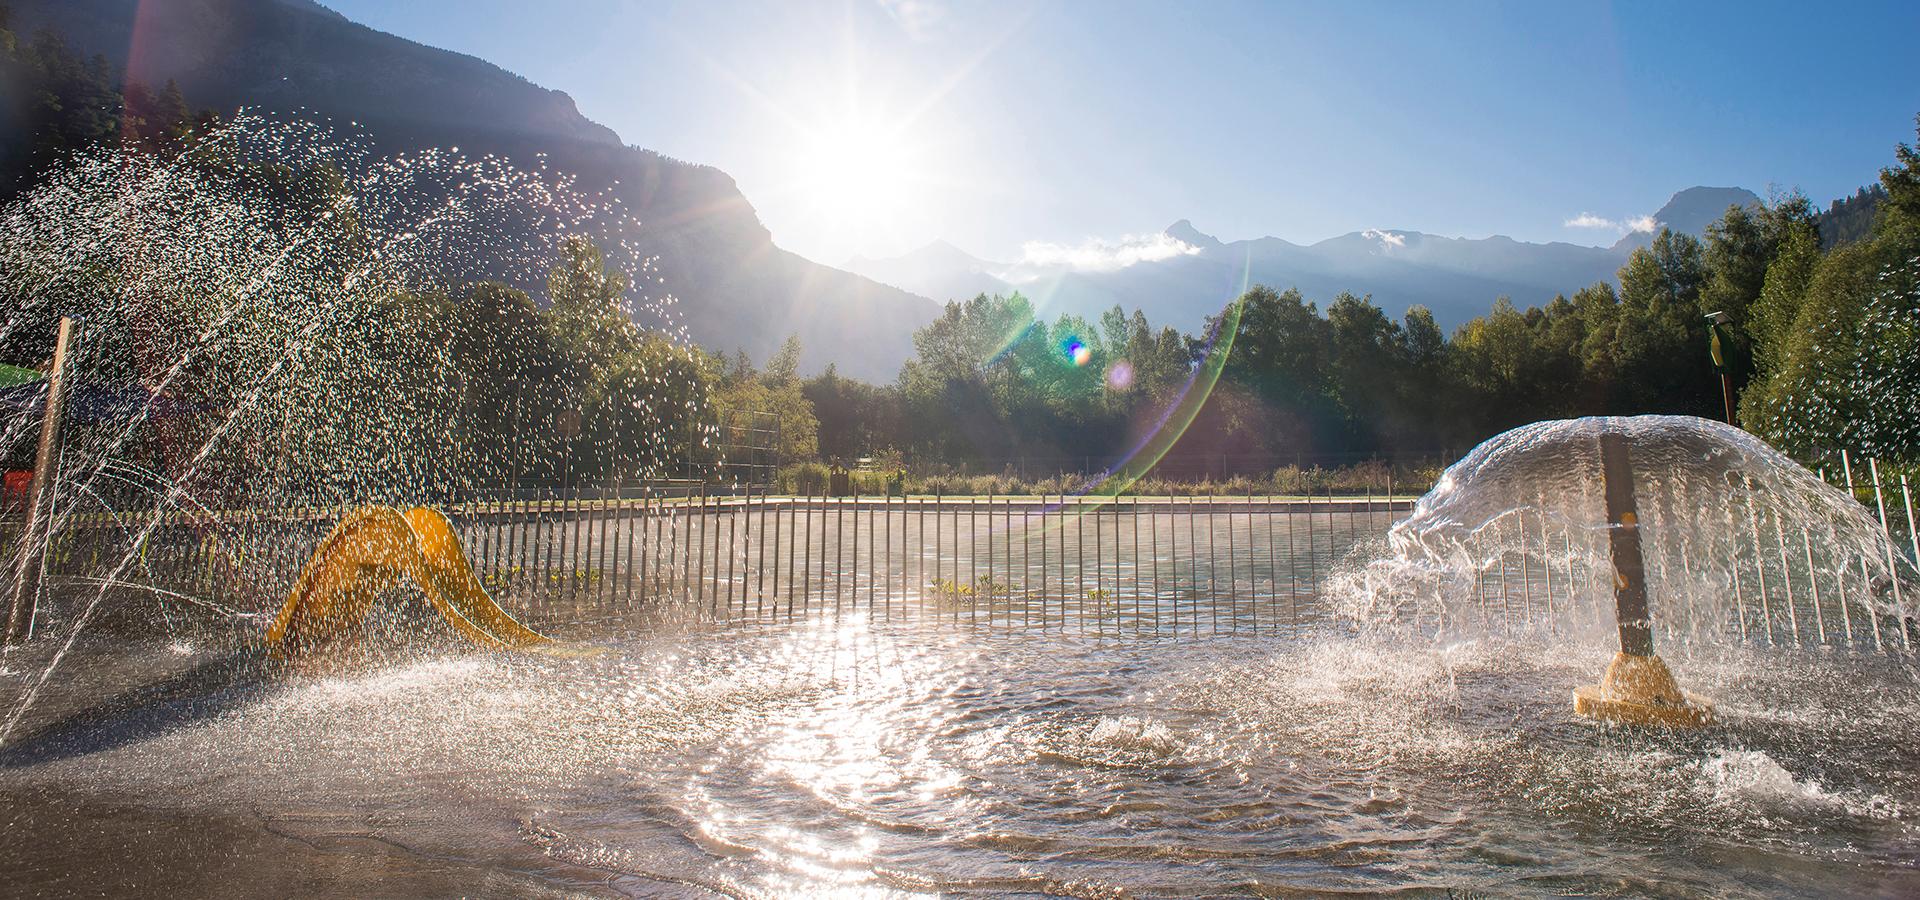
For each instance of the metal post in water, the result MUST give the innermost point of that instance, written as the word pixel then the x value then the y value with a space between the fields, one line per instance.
pixel 26 575
pixel 1629 586
pixel 1638 688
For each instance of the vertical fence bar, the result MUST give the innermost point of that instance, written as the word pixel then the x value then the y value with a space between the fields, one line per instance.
pixel 653 552
pixel 1313 564
pixel 839 554
pixel 1080 560
pixel 1098 597
pixel 939 585
pixel 1173 534
pixel 787 503
pixel 563 505
pixel 1044 580
pixel 582 515
pixel 608 558
pixel 1759 561
pixel 1893 570
pixel 697 548
pixel 1007 584
pixel 1913 534
pixel 1026 567
pixel 637 549
pixel 714 514
pixel 973 558
pixel 920 529
pixel 548 536
pixel 527 535
pixel 805 534
pixel 733 556
pixel 1139 579
pixel 1873 618
pixel 1213 565
pixel 760 562
pixel 1153 547
pixel 880 529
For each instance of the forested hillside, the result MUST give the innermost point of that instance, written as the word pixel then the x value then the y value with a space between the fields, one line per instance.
pixel 735 288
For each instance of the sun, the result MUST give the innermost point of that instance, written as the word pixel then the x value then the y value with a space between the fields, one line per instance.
pixel 857 173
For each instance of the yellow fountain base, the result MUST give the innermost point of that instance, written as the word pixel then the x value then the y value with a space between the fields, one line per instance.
pixel 366 554
pixel 1640 690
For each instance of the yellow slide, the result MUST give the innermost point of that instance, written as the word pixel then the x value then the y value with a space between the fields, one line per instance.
pixel 364 555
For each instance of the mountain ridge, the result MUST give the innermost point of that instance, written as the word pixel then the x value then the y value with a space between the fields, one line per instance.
pixel 734 288
pixel 1457 278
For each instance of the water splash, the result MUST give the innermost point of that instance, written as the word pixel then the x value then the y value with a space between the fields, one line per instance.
pixel 264 323
pixel 1741 544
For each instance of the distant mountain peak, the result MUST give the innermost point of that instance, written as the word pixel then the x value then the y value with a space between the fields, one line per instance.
pixel 1184 232
pixel 1690 211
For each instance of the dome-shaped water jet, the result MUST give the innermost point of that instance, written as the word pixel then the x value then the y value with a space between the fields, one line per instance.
pixel 1734 544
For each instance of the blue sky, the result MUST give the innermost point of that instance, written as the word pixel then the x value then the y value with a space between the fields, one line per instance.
pixel 875 126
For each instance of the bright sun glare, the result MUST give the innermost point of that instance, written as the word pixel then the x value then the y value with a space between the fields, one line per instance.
pixel 856 173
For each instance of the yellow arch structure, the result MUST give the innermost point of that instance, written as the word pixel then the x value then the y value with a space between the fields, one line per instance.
pixel 364 555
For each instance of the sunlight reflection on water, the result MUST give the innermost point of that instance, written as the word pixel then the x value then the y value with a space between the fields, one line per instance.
pixel 859 759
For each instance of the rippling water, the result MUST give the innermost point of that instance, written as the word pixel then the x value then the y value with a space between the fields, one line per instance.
pixel 872 759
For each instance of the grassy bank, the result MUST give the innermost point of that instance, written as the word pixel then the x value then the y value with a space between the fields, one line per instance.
pixel 1370 477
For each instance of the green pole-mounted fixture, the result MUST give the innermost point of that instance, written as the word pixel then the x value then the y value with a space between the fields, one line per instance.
pixel 1720 345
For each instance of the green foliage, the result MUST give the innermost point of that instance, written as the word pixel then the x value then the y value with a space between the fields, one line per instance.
pixel 66 103
pixel 1836 335
pixel 1821 305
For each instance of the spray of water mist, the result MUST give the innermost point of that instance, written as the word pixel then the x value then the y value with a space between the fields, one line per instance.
pixel 255 311
pixel 1741 545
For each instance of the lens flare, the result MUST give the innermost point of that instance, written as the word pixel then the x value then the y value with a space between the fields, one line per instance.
pixel 1120 376
pixel 1101 489
pixel 1077 350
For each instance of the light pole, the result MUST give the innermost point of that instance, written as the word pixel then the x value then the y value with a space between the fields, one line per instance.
pixel 1720 339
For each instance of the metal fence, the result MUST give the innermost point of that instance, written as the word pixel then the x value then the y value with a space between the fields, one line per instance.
pixel 579 554
pixel 1132 563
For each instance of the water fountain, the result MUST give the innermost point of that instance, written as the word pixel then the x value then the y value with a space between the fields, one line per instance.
pixel 1660 529
pixel 1639 688
pixel 363 557
pixel 250 325
pixel 853 752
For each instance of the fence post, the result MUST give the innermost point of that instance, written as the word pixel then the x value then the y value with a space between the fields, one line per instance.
pixel 26 576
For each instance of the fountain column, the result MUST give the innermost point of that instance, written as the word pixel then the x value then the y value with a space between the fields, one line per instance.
pixel 1623 533
pixel 1638 688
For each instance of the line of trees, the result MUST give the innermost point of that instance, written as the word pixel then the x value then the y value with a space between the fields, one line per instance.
pixel 1823 310
pixel 1824 346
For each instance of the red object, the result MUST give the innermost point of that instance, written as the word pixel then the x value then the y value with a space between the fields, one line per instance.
pixel 19 481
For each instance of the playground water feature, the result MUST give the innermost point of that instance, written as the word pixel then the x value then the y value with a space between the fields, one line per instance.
pixel 873 758
pixel 1409 730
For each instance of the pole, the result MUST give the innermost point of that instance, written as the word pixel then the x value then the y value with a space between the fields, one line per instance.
pixel 26 578
pixel 1638 688
pixel 1630 576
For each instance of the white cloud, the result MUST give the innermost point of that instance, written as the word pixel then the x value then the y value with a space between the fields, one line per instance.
pixel 1103 255
pixel 918 18
pixel 1386 238
pixel 1589 220
pixel 1619 226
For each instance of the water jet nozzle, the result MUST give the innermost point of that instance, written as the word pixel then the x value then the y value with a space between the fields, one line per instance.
pixel 1638 688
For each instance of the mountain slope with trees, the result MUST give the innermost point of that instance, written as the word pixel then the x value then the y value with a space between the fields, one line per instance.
pixel 735 288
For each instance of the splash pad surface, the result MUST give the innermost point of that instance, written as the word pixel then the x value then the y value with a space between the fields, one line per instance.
pixel 839 754
pixel 875 759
